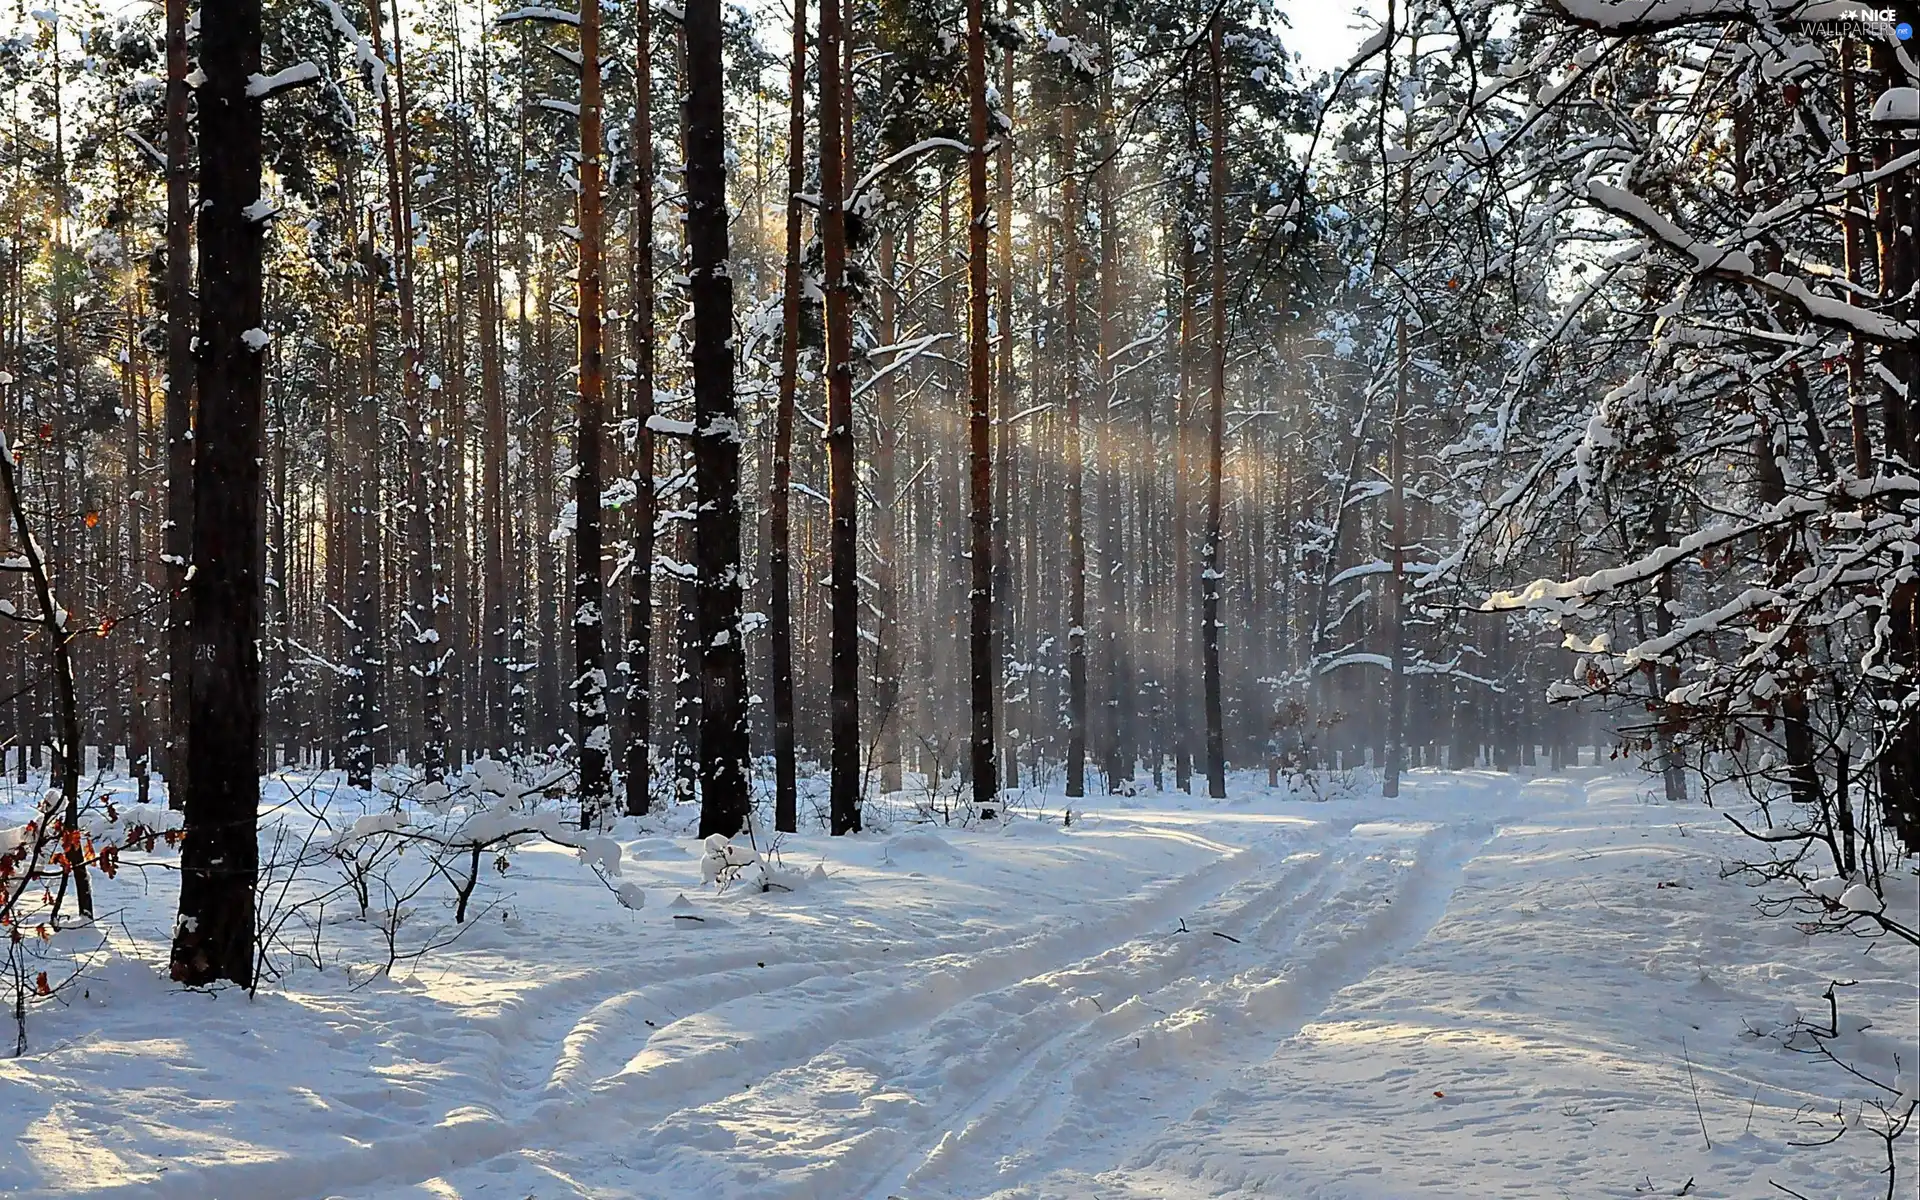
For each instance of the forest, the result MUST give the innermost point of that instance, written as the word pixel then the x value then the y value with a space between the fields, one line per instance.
pixel 435 429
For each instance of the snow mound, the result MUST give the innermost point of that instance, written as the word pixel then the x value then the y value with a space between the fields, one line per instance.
pixel 919 841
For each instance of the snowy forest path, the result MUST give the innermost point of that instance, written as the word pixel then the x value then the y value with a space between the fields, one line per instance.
pixel 1280 949
pixel 642 1054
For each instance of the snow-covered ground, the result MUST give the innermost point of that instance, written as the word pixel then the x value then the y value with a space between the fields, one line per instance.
pixel 1494 985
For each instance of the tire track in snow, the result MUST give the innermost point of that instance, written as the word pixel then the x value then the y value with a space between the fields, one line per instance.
pixel 1068 1031
pixel 1078 1088
pixel 703 1057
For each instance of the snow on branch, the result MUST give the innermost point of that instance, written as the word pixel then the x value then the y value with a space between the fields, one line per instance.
pixel 262 87
pixel 362 49
pixel 899 157
pixel 1629 17
pixel 1900 106
pixel 904 353
pixel 1735 266
pixel 552 16
pixel 1572 595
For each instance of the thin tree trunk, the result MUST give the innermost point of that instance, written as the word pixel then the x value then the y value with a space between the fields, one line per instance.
pixel 53 621
pixel 179 417
pixel 888 717
pixel 1006 449
pixel 1183 578
pixel 589 667
pixel 1116 757
pixel 136 592
pixel 422 574
pixel 1076 475
pixel 844 783
pixel 1210 574
pixel 639 761
pixel 780 492
pixel 985 666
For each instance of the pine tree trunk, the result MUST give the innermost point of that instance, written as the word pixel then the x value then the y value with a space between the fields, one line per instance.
pixel 423 586
pixel 888 596
pixel 724 798
pixel 780 492
pixel 1076 472
pixel 495 686
pixel 178 543
pixel 214 937
pixel 844 765
pixel 1397 587
pixel 1182 608
pixel 1006 449
pixel 1117 759
pixel 134 598
pixel 639 760
pixel 985 665
pixel 1210 575
pixel 589 667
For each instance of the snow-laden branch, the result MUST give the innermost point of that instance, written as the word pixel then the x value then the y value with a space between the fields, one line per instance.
pixel 1627 17
pixel 903 354
pixel 1567 596
pixel 1737 267
pixel 362 49
pixel 262 87
pixel 900 157
pixel 552 16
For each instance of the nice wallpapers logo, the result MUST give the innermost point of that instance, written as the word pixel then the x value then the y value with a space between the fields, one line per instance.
pixel 1867 23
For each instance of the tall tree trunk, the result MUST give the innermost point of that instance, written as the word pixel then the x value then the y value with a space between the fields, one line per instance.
pixel 1006 448
pixel 214 937
pixel 496 599
pixel 888 716
pixel 1899 269
pixel 53 621
pixel 1076 470
pixel 639 762
pixel 423 586
pixel 1397 586
pixel 844 764
pixel 178 543
pixel 135 596
pixel 1116 757
pixel 985 666
pixel 724 798
pixel 589 667
pixel 1210 574
pixel 780 492
pixel 1182 608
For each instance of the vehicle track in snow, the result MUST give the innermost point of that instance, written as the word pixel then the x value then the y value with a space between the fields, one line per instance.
pixel 1179 1040
pixel 744 1032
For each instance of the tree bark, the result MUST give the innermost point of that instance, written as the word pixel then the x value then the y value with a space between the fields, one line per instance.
pixel 423 587
pixel 780 492
pixel 1006 448
pixel 724 798
pixel 844 765
pixel 1076 467
pixel 179 416
pixel 639 749
pixel 589 666
pixel 1210 574
pixel 985 665
pixel 214 936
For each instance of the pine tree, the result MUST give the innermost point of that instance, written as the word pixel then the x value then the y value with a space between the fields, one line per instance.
pixel 214 937
pixel 725 801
